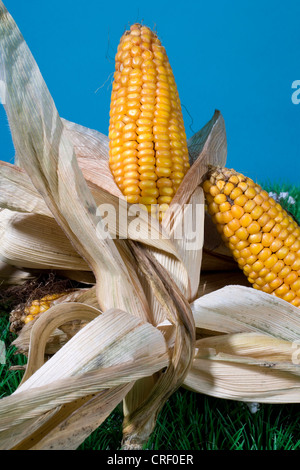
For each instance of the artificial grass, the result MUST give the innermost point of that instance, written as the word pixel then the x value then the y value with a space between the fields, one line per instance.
pixel 190 421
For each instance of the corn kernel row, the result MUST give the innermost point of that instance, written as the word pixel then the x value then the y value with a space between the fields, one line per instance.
pixel 263 238
pixel 40 306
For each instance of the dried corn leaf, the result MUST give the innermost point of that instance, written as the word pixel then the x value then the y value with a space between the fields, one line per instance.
pixel 267 368
pixel 140 420
pixel 89 362
pixel 37 242
pixel 12 276
pixel 17 192
pixel 236 309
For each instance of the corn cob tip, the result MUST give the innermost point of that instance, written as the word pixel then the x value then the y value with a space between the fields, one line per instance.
pixel 263 238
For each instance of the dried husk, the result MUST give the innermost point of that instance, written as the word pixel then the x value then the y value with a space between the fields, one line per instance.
pixel 268 368
pixel 125 353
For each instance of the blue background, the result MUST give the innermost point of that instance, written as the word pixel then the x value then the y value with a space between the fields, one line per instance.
pixel 240 57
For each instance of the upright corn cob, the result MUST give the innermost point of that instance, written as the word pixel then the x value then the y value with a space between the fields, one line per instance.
pixel 263 238
pixel 148 152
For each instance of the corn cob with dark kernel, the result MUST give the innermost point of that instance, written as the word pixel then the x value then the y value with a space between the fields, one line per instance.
pixel 263 238
pixel 148 153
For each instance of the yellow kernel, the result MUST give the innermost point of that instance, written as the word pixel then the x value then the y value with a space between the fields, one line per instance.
pixel 235 193
pixel 241 200
pixel 276 283
pixel 291 277
pixel 148 176
pixel 249 206
pixel 242 233
pixel 276 244
pixel 237 211
pixel 166 191
pixel 164 162
pixel 251 260
pixel 234 225
pixel 242 244
pixel 224 206
pixel 163 172
pixel 234 239
pixel 213 208
pixel 153 192
pixel 257 266
pixel 147 184
pixel 260 282
pixel 270 277
pixel 290 239
pixel 220 184
pixel 206 186
pixel 250 193
pixel 264 254
pixel 295 246
pixel 282 252
pixel 278 266
pixel 255 237
pixel 28 319
pixel 295 286
pixel 245 252
pixel 164 199
pixel 282 290
pixel 234 179
pixel 228 188
pixel 270 262
pixel 258 199
pixel 227 217
pixel 296 265
pixel 245 220
pixel 267 239
pixel 268 226
pixel 256 212
pixel 256 248
pixel 227 231
pixel 132 198
pixel 220 198
pixel 263 219
pixel 290 258
pixel 296 302
pixel 266 288
pixel 130 190
pixel 34 309
pixel 289 296
pixel 263 272
pixel 284 271
pixel 214 190
pixel 148 200
pixel 253 228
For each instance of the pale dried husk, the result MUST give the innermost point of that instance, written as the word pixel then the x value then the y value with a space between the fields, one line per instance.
pixel 125 353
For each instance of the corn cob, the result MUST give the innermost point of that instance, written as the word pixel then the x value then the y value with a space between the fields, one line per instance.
pixel 39 306
pixel 263 238
pixel 148 153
